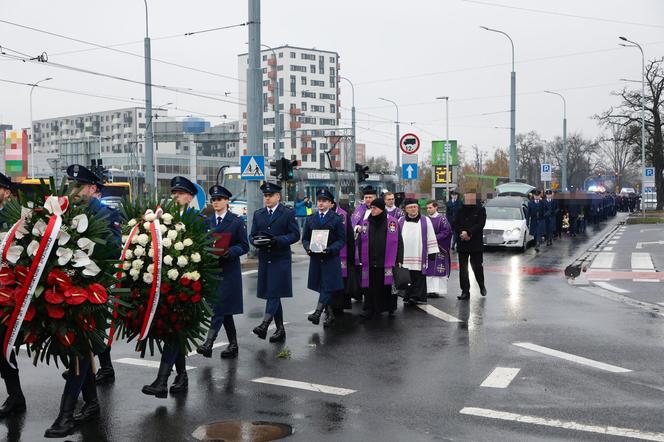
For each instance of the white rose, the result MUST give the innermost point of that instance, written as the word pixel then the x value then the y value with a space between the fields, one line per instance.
pixel 163 229
pixel 168 260
pixel 196 257
pixel 182 261
pixel 131 222
pixel 147 278
pixel 129 254
pixel 173 274
pixel 150 216
pixel 188 242
pixel 137 263
pixel 166 242
pixel 180 227
pixel 167 218
pixel 172 235
pixel 146 226
pixel 151 268
pixel 194 276
pixel 126 265
pixel 143 239
pixel 179 246
pixel 125 238
pixel 134 239
pixel 134 273
pixel 139 251
pixel 151 252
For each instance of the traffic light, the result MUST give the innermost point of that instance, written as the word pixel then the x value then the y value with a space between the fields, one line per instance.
pixel 362 172
pixel 288 169
pixel 277 169
pixel 97 167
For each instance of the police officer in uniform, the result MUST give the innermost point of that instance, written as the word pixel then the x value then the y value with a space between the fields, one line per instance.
pixel 273 230
pixel 550 216
pixel 536 220
pixel 231 230
pixel 324 266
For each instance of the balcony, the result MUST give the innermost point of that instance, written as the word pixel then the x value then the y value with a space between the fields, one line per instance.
pixel 335 151
pixel 295 111
pixel 270 87
pixel 305 138
pixel 307 150
pixel 270 100
pixel 272 61
pixel 295 125
pixel 336 164
pixel 272 75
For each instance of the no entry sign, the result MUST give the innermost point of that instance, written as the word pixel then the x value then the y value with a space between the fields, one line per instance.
pixel 409 143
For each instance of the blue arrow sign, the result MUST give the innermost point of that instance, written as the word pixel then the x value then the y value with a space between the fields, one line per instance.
pixel 409 171
pixel 252 167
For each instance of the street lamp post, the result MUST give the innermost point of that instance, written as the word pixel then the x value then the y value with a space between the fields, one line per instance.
pixel 32 131
pixel 150 175
pixel 512 108
pixel 447 145
pixel 643 115
pixel 277 121
pixel 564 162
pixel 353 146
pixel 398 135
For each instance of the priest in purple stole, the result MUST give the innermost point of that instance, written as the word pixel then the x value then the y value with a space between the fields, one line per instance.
pixel 378 250
pixel 341 300
pixel 438 270
pixel 361 212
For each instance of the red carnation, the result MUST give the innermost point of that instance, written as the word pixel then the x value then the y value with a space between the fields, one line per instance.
pixel 196 286
pixel 21 273
pixel 30 314
pixel 185 281
pixel 54 311
pixel 67 339
pixel 97 294
pixel 183 296
pixel 7 277
pixel 170 299
pixel 165 288
pixel 52 296
pixel 163 310
pixel 59 278
pixel 6 296
pixel 196 298
pixel 76 295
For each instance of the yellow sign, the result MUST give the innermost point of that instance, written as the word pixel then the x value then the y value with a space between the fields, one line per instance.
pixel 440 175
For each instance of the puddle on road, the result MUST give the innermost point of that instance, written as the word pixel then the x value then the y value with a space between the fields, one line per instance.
pixel 242 431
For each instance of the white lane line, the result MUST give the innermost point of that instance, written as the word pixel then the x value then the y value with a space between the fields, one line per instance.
pixel 645 280
pixel 142 362
pixel 249 272
pixel 433 311
pixel 610 287
pixel 591 278
pixel 304 386
pixel 642 262
pixel 603 261
pixel 607 249
pixel 661 303
pixel 613 243
pixel 500 377
pixel 215 345
pixel 568 425
pixel 572 358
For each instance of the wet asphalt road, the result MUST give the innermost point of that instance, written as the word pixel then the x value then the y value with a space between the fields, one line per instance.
pixel 412 374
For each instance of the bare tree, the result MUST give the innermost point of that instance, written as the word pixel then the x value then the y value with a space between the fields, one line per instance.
pixel 530 153
pixel 617 154
pixel 581 157
pixel 380 164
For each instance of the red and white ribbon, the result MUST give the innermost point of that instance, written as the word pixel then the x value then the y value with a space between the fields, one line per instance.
pixel 153 301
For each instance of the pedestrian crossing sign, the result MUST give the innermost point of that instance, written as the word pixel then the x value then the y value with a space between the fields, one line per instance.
pixel 252 167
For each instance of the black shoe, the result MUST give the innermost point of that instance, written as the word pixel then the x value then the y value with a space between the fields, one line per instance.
pixel 483 291
pixel 64 424
pixel 180 384
pixel 261 330
pixel 89 411
pixel 329 317
pixel 464 296
pixel 231 351
pixel 14 404
pixel 433 295
pixel 314 318
pixel 105 375
pixel 159 388
pixel 206 348
pixel 279 335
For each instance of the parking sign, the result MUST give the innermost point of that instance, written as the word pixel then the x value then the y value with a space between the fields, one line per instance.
pixel 545 172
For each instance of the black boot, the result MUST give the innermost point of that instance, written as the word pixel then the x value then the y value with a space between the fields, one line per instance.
pixel 329 317
pixel 261 330
pixel 90 409
pixel 280 334
pixel 231 351
pixel 181 382
pixel 205 348
pixel 314 318
pixel 159 388
pixel 105 374
pixel 15 402
pixel 64 424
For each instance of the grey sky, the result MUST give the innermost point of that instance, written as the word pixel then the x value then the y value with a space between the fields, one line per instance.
pixel 410 52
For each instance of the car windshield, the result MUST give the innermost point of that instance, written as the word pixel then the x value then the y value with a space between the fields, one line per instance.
pixel 503 213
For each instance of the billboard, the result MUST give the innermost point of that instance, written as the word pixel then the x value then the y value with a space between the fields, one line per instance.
pixel 438 156
pixel 16 153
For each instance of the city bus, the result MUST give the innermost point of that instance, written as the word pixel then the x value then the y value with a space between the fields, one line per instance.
pixel 111 194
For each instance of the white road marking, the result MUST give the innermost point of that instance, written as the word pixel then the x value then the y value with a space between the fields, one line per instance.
pixel 304 386
pixel 607 249
pixel 142 362
pixel 603 261
pixel 661 303
pixel 612 243
pixel 433 311
pixel 645 280
pixel 500 377
pixel 610 287
pixel 249 272
pixel 591 278
pixel 572 358
pixel 215 345
pixel 642 262
pixel 568 425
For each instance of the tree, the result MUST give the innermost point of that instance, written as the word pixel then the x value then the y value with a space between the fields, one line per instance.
pixel 498 165
pixel 628 115
pixel 581 158
pixel 616 154
pixel 530 149
pixel 380 164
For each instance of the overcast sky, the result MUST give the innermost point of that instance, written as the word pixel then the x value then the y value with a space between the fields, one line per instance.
pixel 410 52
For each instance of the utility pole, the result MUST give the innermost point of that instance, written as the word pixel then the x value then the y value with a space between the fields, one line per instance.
pixel 150 180
pixel 32 132
pixel 398 137
pixel 254 103
pixel 353 146
pixel 447 146
pixel 277 122
pixel 564 162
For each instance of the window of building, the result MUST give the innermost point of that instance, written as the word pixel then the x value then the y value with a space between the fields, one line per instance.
pixel 292 55
pixel 266 82
pixel 307 120
pixel 268 121
pixel 281 87
pixel 328 121
pixel 303 80
pixel 293 85
pixel 264 101
pixel 317 83
pixel 323 96
pixel 140 115
pixel 331 59
pixel 316 108
pixel 281 55
pixel 312 68
pixel 321 64
pixel 297 68
pixel 333 109
pixel 307 94
pixel 264 70
pixel 332 72
pixel 264 57
pixel 308 56
pixel 303 106
pixel 333 82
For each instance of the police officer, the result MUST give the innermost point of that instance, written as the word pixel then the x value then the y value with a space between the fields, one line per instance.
pixel 550 216
pixel 182 192
pixel 536 220
pixel 231 232
pixel 15 402
pixel 324 261
pixel 273 231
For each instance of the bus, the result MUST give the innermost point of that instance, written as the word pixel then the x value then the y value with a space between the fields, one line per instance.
pixel 111 193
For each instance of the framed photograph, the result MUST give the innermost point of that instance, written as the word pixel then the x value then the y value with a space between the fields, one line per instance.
pixel 318 241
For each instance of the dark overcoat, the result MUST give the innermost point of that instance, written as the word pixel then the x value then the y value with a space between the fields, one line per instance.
pixel 325 269
pixel 536 218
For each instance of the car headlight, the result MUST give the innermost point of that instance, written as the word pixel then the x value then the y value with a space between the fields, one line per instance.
pixel 513 232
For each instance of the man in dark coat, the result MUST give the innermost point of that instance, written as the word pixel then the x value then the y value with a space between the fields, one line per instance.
pixel 451 209
pixel 469 225
pixel 231 235
pixel 273 230
pixel 536 218
pixel 324 260
pixel 550 216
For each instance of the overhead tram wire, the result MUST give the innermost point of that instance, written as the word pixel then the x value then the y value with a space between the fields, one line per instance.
pixel 133 54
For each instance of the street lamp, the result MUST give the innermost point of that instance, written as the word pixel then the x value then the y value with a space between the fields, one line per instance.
pixel 512 107
pixel 397 123
pixel 447 146
pixel 634 44
pixel 277 121
pixel 32 131
pixel 353 146
pixel 150 175
pixel 564 162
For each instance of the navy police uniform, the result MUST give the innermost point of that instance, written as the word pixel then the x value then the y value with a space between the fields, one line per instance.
pixel 229 289
pixel 536 219
pixel 324 268
pixel 551 216
pixel 273 231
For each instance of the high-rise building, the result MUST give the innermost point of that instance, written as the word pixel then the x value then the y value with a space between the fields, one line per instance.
pixel 306 82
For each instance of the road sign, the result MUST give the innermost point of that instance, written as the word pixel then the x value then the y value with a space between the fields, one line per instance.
pixel 200 200
pixel 409 171
pixel 649 175
pixel 252 167
pixel 545 171
pixel 439 155
pixel 440 175
pixel 409 143
pixel 409 159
